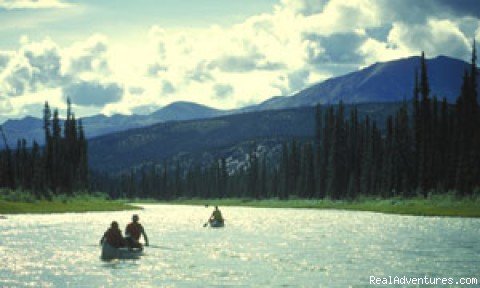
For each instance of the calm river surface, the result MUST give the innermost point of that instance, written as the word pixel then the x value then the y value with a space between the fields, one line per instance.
pixel 257 248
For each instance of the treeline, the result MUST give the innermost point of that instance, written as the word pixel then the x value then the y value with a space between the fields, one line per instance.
pixel 170 181
pixel 430 148
pixel 60 167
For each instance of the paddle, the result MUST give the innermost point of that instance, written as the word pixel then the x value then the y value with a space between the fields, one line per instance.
pixel 206 223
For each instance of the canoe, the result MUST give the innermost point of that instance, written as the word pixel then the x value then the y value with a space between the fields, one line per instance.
pixel 217 224
pixel 109 253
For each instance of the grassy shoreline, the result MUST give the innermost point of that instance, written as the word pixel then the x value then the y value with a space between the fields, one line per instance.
pixel 44 207
pixel 440 205
pixel 437 205
pixel 18 202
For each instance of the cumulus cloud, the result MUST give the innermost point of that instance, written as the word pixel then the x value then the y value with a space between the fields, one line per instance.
pixel 34 67
pixel 38 69
pixel 16 78
pixel 344 17
pixel 435 37
pixel 338 48
pixel 279 52
pixel 44 59
pixel 87 58
pixel 93 93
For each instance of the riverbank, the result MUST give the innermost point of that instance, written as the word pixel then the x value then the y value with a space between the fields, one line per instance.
pixel 16 203
pixel 8 207
pixel 439 205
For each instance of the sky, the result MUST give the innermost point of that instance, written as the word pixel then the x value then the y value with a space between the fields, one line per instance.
pixel 133 57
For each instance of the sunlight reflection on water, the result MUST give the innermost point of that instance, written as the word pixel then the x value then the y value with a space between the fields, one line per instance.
pixel 258 247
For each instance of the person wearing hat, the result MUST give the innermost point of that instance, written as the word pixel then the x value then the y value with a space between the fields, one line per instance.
pixel 133 232
pixel 113 236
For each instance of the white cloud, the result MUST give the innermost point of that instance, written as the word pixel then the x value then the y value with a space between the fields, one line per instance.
pixel 23 105
pixel 278 53
pixel 44 71
pixel 344 17
pixel 15 77
pixel 378 51
pixel 437 36
pixel 87 59
pixel 35 66
pixel 33 4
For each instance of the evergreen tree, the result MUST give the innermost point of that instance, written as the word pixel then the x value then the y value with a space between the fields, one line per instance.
pixel 262 193
pixel 337 174
pixel 308 171
pixel 253 190
pixel 285 171
pixel 425 141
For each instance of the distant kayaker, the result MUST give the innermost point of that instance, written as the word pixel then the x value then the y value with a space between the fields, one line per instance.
pixel 216 216
pixel 113 236
pixel 133 232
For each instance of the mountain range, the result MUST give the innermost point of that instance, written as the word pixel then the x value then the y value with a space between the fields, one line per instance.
pixel 30 128
pixel 379 83
pixel 204 140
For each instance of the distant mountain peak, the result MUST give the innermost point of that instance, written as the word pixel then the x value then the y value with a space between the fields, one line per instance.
pixel 183 110
pixel 185 104
pixel 389 81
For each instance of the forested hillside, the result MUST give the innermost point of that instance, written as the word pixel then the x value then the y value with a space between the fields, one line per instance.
pixel 431 150
pixel 207 139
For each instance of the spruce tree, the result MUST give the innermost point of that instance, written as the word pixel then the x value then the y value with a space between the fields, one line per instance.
pixel 425 157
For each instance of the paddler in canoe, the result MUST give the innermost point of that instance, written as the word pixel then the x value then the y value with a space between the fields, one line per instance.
pixel 216 220
pixel 133 231
pixel 113 236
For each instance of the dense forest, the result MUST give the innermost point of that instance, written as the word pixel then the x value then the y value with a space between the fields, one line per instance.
pixel 432 149
pixel 60 167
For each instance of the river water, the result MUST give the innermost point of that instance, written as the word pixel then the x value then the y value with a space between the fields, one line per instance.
pixel 257 248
